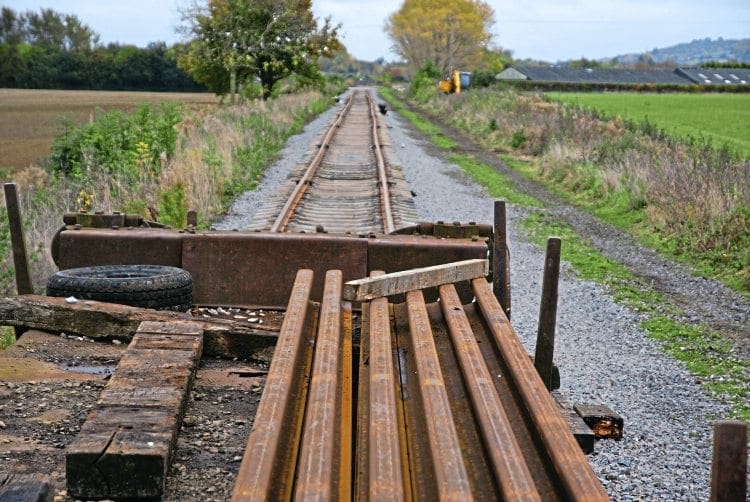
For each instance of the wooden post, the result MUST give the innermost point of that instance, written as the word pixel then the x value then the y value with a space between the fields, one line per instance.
pixel 728 473
pixel 545 338
pixel 500 259
pixel 192 218
pixel 24 286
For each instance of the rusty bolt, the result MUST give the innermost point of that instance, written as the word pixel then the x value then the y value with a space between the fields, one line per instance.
pixel 77 226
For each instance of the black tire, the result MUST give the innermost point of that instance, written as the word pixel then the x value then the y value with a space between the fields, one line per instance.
pixel 147 286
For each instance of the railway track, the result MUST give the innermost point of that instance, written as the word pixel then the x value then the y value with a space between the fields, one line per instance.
pixel 347 182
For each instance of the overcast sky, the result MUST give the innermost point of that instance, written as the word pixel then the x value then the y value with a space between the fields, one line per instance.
pixel 550 30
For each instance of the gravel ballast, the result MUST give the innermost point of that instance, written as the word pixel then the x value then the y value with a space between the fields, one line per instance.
pixel 603 355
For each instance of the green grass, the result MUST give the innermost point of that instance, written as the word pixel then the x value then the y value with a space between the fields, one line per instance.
pixel 722 119
pixel 7 337
pixel 499 187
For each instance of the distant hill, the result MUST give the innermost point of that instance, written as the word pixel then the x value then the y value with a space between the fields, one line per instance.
pixel 695 53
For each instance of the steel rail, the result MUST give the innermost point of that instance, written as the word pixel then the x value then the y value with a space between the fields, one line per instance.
pixel 385 191
pixel 573 471
pixel 507 460
pixel 282 220
pixel 267 470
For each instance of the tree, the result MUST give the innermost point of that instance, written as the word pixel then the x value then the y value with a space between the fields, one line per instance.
pixel 452 34
pixel 267 40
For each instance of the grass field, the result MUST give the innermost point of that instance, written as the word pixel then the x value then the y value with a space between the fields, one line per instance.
pixel 719 118
pixel 30 119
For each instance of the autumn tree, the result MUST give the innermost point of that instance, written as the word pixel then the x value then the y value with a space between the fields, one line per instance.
pixel 268 40
pixel 449 33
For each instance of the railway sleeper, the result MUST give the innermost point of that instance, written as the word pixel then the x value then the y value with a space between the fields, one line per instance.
pixel 434 380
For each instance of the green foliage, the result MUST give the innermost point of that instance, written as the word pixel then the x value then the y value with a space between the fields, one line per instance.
pixel 424 83
pixel 705 353
pixel 131 145
pixel 518 139
pixel 264 40
pixel 7 337
pixel 710 357
pixel 173 206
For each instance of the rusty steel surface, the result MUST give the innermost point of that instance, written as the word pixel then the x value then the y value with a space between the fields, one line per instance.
pixel 348 185
pixel 267 470
pixel 448 406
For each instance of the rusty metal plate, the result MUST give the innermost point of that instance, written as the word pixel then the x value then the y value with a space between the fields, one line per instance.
pixel 88 247
pixel 259 268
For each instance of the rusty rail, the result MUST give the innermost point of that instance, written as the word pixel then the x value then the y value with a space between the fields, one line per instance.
pixel 419 365
pixel 385 191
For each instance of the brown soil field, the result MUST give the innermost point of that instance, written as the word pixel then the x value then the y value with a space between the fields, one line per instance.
pixel 30 118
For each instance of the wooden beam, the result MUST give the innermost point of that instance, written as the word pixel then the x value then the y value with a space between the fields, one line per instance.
pixel 99 320
pixel 411 280
pixel 729 466
pixel 125 446
pixel 24 284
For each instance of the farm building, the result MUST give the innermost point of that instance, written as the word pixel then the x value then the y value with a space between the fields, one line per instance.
pixel 686 76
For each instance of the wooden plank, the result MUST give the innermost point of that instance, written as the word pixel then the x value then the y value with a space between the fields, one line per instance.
pixel 222 337
pixel 605 423
pixel 24 284
pixel 411 280
pixel 125 445
pixel 25 488
pixel 583 434
pixel 729 464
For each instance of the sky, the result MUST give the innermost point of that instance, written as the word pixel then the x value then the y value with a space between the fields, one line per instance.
pixel 549 30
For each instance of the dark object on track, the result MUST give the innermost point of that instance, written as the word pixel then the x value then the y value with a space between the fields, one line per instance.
pixel 148 286
pixel 383 108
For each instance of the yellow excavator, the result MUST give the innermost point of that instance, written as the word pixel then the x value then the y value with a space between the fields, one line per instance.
pixel 457 80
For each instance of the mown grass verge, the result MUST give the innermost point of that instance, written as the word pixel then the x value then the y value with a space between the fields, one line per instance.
pixel 705 353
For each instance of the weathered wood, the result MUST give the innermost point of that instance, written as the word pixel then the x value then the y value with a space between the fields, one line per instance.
pixel 583 434
pixel 545 338
pixel 605 423
pixel 125 445
pixel 98 320
pixel 729 467
pixel 414 279
pixel 24 285
pixel 25 488
pixel 501 259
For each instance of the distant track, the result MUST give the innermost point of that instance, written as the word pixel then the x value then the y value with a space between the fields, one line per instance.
pixel 347 183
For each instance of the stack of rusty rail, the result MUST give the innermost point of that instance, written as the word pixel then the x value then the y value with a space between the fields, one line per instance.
pixel 446 404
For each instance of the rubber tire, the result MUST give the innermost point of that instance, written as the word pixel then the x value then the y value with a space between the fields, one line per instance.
pixel 147 286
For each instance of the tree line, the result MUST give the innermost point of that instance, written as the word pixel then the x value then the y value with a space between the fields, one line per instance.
pixel 51 50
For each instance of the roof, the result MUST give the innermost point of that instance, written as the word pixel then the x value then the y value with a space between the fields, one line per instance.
pixel 593 75
pixel 733 76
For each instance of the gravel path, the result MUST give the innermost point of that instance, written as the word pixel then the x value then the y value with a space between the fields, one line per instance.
pixel 603 355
